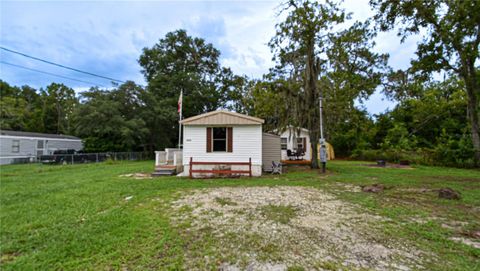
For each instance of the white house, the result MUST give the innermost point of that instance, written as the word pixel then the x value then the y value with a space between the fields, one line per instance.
pixel 222 142
pixel 293 139
pixel 16 146
pixel 299 138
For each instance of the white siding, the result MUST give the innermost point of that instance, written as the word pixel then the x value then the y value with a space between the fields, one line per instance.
pixel 247 143
pixel 27 147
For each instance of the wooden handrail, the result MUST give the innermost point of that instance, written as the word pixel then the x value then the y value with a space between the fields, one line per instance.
pixel 220 171
pixel 223 163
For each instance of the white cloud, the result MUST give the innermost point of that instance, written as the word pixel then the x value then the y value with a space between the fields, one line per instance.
pixel 107 37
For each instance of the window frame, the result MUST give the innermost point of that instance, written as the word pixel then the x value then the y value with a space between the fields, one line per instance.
pixel 15 146
pixel 220 139
pixel 282 147
pixel 300 144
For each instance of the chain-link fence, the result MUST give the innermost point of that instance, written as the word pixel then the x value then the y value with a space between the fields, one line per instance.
pixel 79 158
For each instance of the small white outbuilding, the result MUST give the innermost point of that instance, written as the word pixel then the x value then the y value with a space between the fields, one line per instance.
pixel 222 142
pixel 294 138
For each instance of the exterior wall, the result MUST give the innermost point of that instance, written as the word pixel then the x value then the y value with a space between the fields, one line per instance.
pixel 247 143
pixel 28 147
pixel 290 134
pixel 270 151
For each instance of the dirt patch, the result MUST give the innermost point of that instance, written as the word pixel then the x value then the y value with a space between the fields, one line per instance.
pixel 276 228
pixel 346 187
pixel 137 176
pixel 448 193
pixel 466 241
pixel 456 226
pixel 9 257
pixel 374 188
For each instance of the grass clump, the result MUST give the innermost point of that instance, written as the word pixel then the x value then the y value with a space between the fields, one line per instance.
pixel 225 201
pixel 279 213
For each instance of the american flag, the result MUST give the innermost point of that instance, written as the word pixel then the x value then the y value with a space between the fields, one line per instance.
pixel 180 99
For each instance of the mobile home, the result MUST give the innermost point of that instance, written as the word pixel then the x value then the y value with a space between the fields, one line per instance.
pixel 17 147
pixel 225 142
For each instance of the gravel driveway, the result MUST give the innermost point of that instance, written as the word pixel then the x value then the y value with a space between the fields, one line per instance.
pixel 285 227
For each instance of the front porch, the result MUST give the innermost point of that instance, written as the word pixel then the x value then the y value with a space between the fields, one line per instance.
pixel 168 162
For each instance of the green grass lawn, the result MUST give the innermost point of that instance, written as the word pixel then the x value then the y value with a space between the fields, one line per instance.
pixel 77 216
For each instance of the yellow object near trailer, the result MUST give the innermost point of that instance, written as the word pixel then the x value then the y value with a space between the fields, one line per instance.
pixel 330 151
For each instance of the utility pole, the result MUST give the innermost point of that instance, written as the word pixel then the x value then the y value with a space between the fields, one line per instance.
pixel 323 147
pixel 322 140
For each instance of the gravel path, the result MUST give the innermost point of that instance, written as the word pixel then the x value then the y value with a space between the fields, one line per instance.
pixel 276 228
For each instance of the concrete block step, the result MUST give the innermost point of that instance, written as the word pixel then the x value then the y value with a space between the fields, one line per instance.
pixel 164 172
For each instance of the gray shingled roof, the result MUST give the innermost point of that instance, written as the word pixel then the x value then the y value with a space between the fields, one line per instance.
pixel 31 134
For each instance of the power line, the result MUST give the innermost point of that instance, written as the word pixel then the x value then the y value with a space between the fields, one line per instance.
pixel 60 65
pixel 52 74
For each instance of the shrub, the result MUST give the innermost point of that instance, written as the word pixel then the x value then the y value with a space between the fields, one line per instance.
pixel 442 155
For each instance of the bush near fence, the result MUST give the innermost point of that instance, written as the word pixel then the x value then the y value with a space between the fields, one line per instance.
pixel 429 157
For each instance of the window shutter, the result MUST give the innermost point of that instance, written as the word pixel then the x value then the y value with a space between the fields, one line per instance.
pixel 230 139
pixel 209 139
pixel 304 144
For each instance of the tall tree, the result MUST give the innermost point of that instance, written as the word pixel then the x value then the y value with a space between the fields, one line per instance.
pixel 180 63
pixel 11 107
pixel 112 120
pixel 298 42
pixel 353 73
pixel 20 108
pixel 451 42
pixel 59 102
pixel 338 65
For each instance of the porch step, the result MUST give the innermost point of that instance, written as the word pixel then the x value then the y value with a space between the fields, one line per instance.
pixel 162 167
pixel 163 173
pixel 164 170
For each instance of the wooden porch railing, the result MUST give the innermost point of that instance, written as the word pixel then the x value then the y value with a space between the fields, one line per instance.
pixel 221 171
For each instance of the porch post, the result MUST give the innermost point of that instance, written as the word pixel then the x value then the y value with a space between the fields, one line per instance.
pixel 250 167
pixel 190 165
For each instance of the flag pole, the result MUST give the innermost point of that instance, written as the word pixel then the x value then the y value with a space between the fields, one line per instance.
pixel 180 109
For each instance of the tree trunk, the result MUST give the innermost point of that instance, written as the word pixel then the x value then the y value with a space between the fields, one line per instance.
pixel 311 108
pixel 313 145
pixel 472 87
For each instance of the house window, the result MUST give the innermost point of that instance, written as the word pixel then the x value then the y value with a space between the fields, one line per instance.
pixel 300 142
pixel 219 139
pixel 283 143
pixel 16 146
pixel 40 144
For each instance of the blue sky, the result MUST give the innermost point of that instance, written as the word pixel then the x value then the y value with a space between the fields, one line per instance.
pixel 107 37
